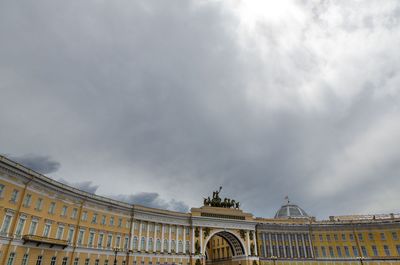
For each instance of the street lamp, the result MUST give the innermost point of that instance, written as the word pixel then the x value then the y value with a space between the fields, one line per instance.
pixel 274 258
pixel 361 260
pixel 116 250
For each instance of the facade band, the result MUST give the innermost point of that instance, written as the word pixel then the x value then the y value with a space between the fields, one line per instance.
pixel 45 222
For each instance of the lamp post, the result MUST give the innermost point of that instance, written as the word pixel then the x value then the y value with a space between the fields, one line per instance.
pixel 116 250
pixel 274 259
pixel 361 260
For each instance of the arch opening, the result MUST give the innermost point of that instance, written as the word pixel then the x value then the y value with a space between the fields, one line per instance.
pixel 222 247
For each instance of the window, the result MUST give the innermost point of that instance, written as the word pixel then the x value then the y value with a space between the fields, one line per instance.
pixel 119 222
pixel 103 220
pixel 32 228
pixel 84 216
pixel 96 262
pixel 135 226
pixel 14 196
pixel 315 252
pixel 64 261
pixel 374 250
pixel 336 237
pixel 360 237
pixel 320 238
pixel 188 247
pixel 364 251
pixel 387 250
pixel 74 213
pixel 143 244
pixel 151 246
pixel 370 236
pixel 6 224
pixel 52 207
pixel 328 238
pixel 76 261
pixel 187 231
pixel 143 227
pixel 179 231
pixel 323 250
pixel 106 262
pixel 112 220
pixel 355 251
pixel 20 226
pixel 398 249
pixel 11 258
pixel 80 237
pixel 39 204
pixel 165 245
pixel 46 230
pixel 126 242
pixel 109 240
pixel 60 232
pixel 346 251
pixel 351 236
pixel 91 238
pixel 27 200
pixel 64 210
pixel 100 241
pixel 87 261
pixel 339 251
pixel 343 237
pixel 180 246
pixel 117 241
pixel 94 218
pixel 135 243
pixel 331 252
pixel 173 246
pixel 39 260
pixel 1 190
pixel 53 260
pixel 158 245
pixel 394 236
pixel 70 235
pixel 383 237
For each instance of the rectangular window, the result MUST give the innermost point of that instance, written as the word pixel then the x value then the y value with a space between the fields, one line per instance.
pixel 394 236
pixel 80 237
pixel 364 251
pixel 20 226
pixel 84 216
pixel 46 230
pixel 6 224
pixel 100 241
pixel 336 237
pixel 94 218
pixel 355 251
pixel 331 253
pixel 1 190
pixel 91 238
pixel 387 250
pixel 374 250
pixel 11 258
pixel 328 238
pixel 87 261
pixel 346 251
pixel 76 261
pixel 119 222
pixel 39 260
pixel 360 237
pixel 27 200
pixel 64 261
pixel 70 235
pixel 32 228
pixel 323 250
pixel 370 236
pixel 39 204
pixel 25 259
pixel 103 220
pixel 320 238
pixel 14 196
pixel 383 236
pixel 96 262
pixel 106 262
pixel 343 237
pixel 53 260
pixel 109 240
pixel 74 213
pixel 315 252
pixel 126 242
pixel 339 251
pixel 52 207
pixel 398 249
pixel 60 232
pixel 64 210
pixel 112 220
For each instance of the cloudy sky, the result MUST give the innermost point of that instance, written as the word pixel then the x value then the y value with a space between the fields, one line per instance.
pixel 161 102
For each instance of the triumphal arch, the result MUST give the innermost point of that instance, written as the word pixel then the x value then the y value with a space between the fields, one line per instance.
pixel 221 222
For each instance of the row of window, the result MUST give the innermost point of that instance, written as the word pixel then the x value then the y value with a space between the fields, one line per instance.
pixel 64 261
pixel 360 236
pixel 167 246
pixel 345 251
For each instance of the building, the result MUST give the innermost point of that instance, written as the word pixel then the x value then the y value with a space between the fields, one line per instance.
pixel 43 221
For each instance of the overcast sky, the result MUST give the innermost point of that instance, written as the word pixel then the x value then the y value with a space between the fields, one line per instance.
pixel 161 102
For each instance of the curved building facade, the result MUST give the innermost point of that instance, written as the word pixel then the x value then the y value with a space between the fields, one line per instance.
pixel 44 222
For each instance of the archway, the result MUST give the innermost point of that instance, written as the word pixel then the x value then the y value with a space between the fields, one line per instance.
pixel 222 247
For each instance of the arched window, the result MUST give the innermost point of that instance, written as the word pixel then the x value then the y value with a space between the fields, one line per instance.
pixel 180 246
pixel 151 244
pixel 143 244
pixel 173 247
pixel 158 245
pixel 187 246
pixel 135 243
pixel 165 245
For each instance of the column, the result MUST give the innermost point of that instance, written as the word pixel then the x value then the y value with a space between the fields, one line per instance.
pixel 184 239
pixel 290 245
pixel 256 243
pixel 147 236
pixel 193 240
pixel 304 245
pixel 132 234
pixel 169 239
pixel 162 238
pixel 264 246
pixel 248 243
pixel 278 252
pixel 140 236
pixel 270 244
pixel 176 240
pixel 155 238
pixel 297 245
pixel 311 246
pixel 201 240
pixel 284 245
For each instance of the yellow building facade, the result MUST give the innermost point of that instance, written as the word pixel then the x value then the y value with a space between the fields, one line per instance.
pixel 44 222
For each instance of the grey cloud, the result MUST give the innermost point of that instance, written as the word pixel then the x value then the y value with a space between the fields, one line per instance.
pixel 179 98
pixel 87 186
pixel 40 163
